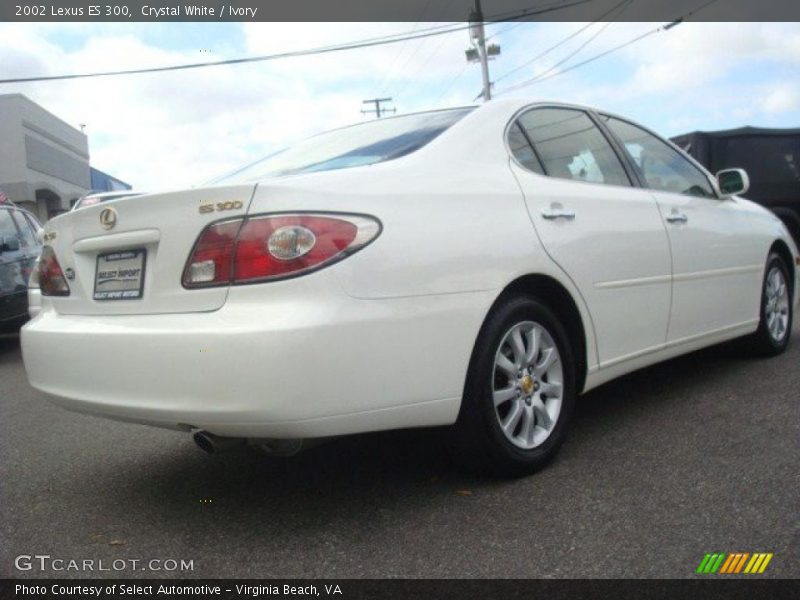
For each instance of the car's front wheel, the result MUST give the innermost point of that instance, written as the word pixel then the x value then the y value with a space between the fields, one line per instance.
pixel 520 390
pixel 775 325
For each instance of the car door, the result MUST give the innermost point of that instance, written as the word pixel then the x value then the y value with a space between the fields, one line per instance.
pixel 717 256
pixel 13 286
pixel 601 229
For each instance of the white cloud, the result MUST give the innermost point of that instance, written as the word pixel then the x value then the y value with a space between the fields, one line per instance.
pixel 694 76
pixel 782 99
pixel 180 128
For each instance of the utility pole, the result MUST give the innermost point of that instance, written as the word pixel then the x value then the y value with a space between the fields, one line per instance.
pixel 478 35
pixel 478 52
pixel 377 110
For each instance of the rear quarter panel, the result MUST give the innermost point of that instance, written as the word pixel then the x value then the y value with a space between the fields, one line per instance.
pixel 454 221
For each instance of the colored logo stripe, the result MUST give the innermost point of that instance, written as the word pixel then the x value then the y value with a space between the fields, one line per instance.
pixel 758 563
pixel 734 563
pixel 710 563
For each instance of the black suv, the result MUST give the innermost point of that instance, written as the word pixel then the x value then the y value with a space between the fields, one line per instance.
pixel 771 158
pixel 19 249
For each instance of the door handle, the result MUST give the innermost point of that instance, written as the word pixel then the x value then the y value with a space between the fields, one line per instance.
pixel 557 213
pixel 677 217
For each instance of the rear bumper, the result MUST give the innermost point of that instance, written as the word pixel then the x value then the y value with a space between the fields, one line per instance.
pixel 34 302
pixel 278 369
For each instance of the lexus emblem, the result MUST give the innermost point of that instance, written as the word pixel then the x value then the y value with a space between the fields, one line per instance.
pixel 108 218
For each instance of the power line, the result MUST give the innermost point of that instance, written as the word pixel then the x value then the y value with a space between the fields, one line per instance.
pixel 594 36
pixel 659 29
pixel 560 43
pixel 452 82
pixel 624 4
pixel 364 43
pixel 442 40
pixel 390 71
pixel 503 30
pixel 461 72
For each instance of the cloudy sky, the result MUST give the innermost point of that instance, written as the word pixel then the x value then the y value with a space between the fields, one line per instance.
pixel 168 130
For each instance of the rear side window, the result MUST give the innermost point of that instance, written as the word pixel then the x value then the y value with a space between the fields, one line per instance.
pixel 663 167
pixel 522 150
pixel 26 235
pixel 32 223
pixel 7 227
pixel 571 146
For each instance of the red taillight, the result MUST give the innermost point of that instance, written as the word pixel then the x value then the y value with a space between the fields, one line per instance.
pixel 51 278
pixel 210 262
pixel 264 248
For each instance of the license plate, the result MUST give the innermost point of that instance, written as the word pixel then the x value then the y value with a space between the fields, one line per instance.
pixel 120 275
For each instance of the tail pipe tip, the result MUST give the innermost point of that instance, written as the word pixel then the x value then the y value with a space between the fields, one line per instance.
pixel 213 444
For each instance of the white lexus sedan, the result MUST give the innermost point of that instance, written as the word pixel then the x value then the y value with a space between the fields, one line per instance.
pixel 476 267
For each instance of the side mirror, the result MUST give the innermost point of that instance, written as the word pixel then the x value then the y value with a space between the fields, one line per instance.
pixel 732 182
pixel 9 243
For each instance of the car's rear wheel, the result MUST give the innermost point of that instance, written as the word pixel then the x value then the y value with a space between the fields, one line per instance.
pixel 520 390
pixel 775 325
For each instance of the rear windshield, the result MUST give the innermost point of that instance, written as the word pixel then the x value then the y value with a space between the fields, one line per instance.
pixel 363 144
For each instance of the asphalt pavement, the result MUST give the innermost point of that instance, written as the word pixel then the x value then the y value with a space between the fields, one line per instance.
pixel 699 454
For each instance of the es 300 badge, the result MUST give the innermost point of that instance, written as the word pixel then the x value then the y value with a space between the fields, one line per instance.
pixel 209 207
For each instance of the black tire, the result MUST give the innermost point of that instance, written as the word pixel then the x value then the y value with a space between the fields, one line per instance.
pixel 477 440
pixel 762 342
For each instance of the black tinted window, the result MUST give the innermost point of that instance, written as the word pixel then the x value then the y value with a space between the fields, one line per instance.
pixel 26 233
pixel 663 167
pixel 363 144
pixel 33 223
pixel 7 227
pixel 572 147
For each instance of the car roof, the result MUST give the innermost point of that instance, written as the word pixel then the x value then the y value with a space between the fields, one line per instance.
pixel 20 209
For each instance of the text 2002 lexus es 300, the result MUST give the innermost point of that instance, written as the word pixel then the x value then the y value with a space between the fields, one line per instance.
pixel 474 267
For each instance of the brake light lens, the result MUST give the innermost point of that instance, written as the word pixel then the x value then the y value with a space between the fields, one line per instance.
pixel 270 247
pixel 211 259
pixel 33 280
pixel 51 278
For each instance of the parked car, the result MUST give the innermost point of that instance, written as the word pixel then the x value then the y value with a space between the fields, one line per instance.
pixel 475 267
pixel 98 198
pixel 19 249
pixel 771 158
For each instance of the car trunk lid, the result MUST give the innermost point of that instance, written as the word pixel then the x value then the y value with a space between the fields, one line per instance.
pixel 127 256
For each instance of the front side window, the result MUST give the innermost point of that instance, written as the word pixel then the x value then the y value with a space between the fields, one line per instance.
pixel 663 167
pixel 571 146
pixel 363 144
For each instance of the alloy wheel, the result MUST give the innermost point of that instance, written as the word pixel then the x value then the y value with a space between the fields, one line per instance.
pixel 527 384
pixel 776 310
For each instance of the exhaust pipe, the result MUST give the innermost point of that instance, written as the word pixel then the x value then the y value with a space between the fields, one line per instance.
pixel 213 444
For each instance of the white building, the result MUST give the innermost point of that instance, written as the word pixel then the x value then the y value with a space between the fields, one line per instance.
pixel 44 162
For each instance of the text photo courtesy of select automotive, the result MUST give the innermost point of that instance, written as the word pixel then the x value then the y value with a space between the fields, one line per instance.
pixel 288 300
